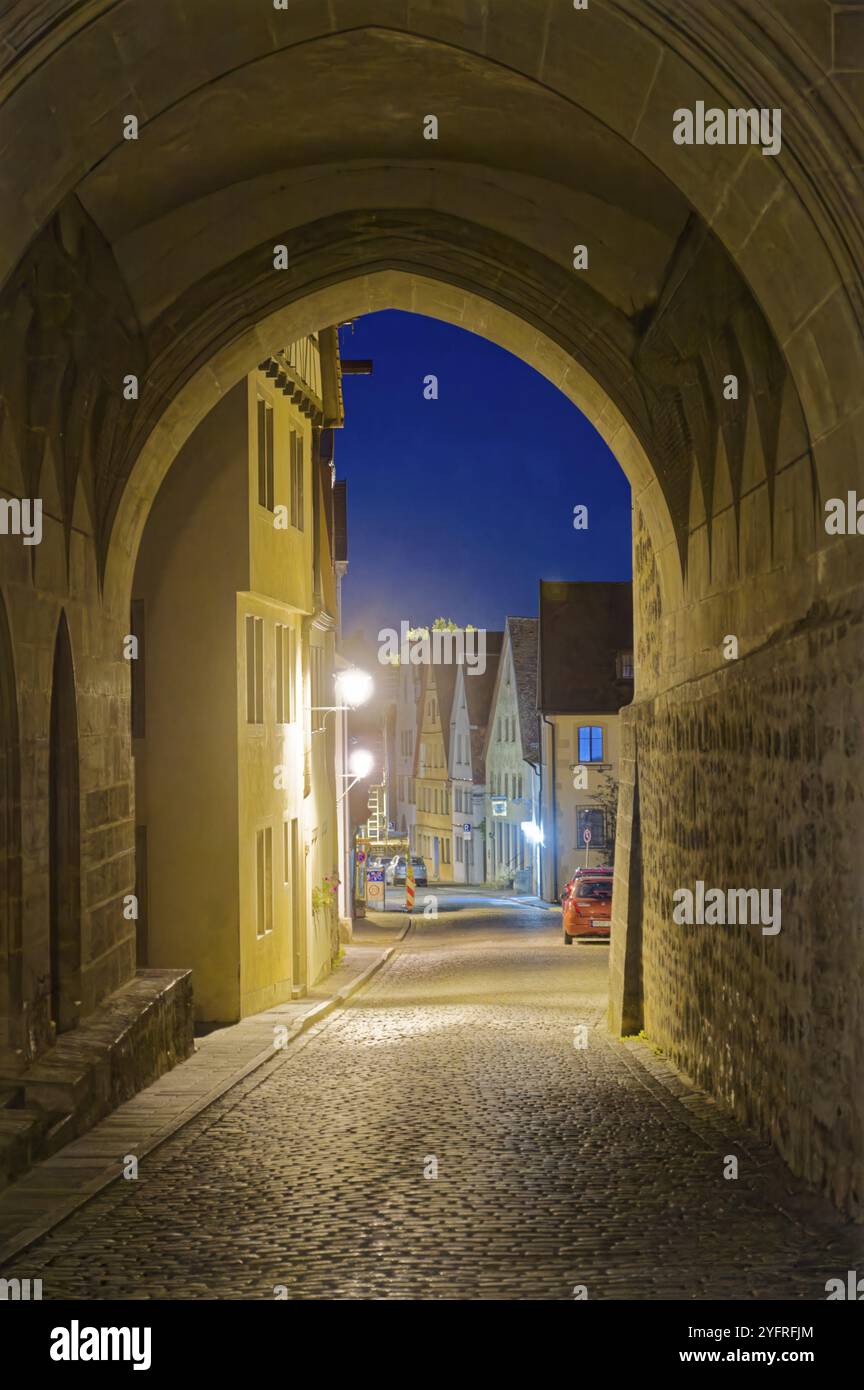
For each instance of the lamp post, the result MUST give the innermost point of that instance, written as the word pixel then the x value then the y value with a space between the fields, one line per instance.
pixel 353 688
pixel 360 765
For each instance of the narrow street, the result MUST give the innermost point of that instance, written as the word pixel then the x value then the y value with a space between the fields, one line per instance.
pixel 558 1165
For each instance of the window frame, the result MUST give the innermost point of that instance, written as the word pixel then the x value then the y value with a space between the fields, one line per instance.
pixel 254 652
pixel 266 430
pixel 297 479
pixel 264 881
pixel 593 733
pixel 593 818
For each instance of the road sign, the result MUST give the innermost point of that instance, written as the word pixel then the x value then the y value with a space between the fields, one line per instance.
pixel 467 827
pixel 361 856
pixel 375 876
pixel 586 835
pixel 375 890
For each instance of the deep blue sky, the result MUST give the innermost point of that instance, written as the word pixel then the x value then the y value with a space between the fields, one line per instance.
pixel 458 507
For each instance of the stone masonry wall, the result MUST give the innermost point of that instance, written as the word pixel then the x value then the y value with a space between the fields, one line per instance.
pixel 751 778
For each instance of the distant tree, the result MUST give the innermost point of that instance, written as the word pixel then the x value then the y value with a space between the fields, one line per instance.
pixel 448 625
pixel 439 625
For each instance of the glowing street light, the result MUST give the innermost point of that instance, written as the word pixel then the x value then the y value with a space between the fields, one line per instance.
pixel 361 763
pixel 533 832
pixel 353 687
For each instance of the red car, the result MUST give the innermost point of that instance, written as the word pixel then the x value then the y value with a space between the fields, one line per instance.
pixel 586 905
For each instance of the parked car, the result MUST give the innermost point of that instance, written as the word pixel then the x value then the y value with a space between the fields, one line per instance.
pixel 586 905
pixel 421 877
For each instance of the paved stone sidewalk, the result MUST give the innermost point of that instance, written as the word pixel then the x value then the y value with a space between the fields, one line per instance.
pixel 442 1137
pixel 222 1057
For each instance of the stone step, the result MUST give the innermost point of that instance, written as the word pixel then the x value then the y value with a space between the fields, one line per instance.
pixel 134 1036
pixel 23 1135
pixel 62 1129
pixel 58 1087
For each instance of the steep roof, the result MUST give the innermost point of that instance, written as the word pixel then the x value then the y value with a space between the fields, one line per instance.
pixel 583 627
pixel 478 700
pixel 524 635
pixel 418 726
pixel 444 676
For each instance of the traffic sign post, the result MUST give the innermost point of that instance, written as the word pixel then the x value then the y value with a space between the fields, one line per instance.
pixel 375 886
pixel 586 836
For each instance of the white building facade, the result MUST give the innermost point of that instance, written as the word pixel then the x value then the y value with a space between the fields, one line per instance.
pixel 472 700
pixel 407 698
pixel 511 752
pixel 467 799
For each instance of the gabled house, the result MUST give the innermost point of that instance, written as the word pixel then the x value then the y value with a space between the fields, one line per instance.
pixel 511 752
pixel 433 826
pixel 472 699
pixel 407 706
pixel 585 676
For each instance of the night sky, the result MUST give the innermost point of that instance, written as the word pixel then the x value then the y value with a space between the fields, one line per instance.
pixel 458 507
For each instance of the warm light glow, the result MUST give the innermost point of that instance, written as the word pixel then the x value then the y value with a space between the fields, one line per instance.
pixel 353 687
pixel 532 832
pixel 361 763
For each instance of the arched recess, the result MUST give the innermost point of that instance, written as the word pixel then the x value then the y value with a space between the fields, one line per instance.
pixel 12 1041
pixel 64 839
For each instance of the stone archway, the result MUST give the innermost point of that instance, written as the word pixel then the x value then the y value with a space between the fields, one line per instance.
pixel 64 839
pixel 349 298
pixel 554 132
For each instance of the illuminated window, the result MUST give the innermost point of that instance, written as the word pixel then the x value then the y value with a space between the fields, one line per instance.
pixel 590 743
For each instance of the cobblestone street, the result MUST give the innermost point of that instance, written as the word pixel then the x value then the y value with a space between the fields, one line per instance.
pixel 557 1165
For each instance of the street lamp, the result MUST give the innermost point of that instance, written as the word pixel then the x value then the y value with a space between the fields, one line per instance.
pixel 534 835
pixel 361 764
pixel 353 687
pixel 533 832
